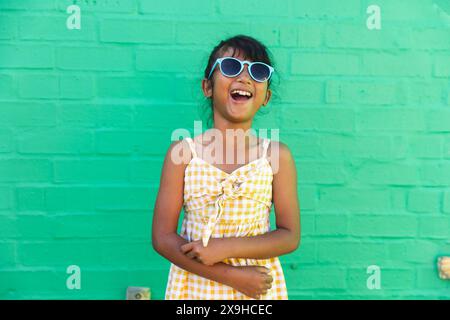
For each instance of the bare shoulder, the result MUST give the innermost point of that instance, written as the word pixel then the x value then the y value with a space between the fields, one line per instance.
pixel 178 154
pixel 280 156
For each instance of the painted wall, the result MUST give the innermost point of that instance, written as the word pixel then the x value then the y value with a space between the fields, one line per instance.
pixel 86 116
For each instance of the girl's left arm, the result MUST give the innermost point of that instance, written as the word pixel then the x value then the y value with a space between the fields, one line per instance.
pixel 283 240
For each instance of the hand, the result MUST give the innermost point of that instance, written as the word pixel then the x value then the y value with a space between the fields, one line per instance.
pixel 253 281
pixel 214 252
pixel 444 267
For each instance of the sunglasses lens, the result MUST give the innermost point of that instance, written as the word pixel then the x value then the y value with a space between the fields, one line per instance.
pixel 260 71
pixel 230 67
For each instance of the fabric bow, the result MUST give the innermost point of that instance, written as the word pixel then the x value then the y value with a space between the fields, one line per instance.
pixel 229 188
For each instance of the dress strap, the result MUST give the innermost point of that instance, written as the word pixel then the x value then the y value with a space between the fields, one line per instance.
pixel 266 143
pixel 191 146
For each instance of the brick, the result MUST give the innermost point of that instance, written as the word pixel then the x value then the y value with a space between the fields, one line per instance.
pixel 307 197
pixel 130 87
pixel 390 279
pixel 428 279
pixel 27 5
pixel 59 254
pixel 304 63
pixel 427 146
pixel 27 56
pixel 51 141
pixel 424 200
pixel 6 86
pixel 310 35
pixel 115 142
pixel 389 174
pixel 254 8
pixel 331 225
pixel 305 254
pixel 301 118
pixel 353 200
pixel 117 199
pixel 319 278
pixel 326 9
pixel 434 174
pixel 7 251
pixel 441 66
pixel 30 199
pixel 99 171
pixel 383 226
pixel 39 86
pixel 207 35
pixel 288 35
pixel 434 227
pixel 398 119
pixel 185 115
pixel 101 115
pixel 402 10
pixel 446 202
pixel 52 28
pixel 94 226
pixel 418 93
pixel 269 34
pixel 25 170
pixel 174 7
pixel 6 198
pixel 298 91
pixel 437 120
pixel 7 228
pixel 146 171
pixel 65 200
pixel 354 252
pixel 8 27
pixel 360 92
pixel 27 114
pixel 169 60
pixel 76 87
pixel 137 31
pixel 413 251
pixel 341 146
pixel 431 38
pixel 5 141
pixel 92 6
pixel 360 37
pixel 34 227
pixel 323 173
pixel 92 58
pixel 400 64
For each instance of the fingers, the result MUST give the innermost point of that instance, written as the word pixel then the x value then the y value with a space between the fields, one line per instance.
pixel 186 247
pixel 191 255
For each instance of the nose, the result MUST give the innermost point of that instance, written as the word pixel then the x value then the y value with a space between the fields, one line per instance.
pixel 244 76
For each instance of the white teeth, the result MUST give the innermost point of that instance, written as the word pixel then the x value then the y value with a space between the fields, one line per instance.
pixel 242 93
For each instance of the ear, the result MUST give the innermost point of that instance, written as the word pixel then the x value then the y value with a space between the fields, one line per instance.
pixel 207 88
pixel 268 96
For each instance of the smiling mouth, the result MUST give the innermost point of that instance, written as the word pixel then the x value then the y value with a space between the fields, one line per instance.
pixel 241 95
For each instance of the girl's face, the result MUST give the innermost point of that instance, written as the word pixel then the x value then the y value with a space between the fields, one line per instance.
pixel 229 105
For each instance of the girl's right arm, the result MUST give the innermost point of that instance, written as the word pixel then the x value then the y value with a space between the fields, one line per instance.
pixel 252 281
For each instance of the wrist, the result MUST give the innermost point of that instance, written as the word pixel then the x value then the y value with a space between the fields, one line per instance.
pixel 223 248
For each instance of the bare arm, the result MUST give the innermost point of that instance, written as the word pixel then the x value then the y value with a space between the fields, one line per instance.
pixel 285 239
pixel 167 210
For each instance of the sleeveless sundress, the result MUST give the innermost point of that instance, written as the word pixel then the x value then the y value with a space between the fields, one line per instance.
pixel 220 204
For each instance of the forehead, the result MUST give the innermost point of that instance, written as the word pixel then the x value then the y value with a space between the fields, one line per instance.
pixel 234 52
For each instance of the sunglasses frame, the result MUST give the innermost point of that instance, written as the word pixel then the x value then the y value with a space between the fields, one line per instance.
pixel 245 62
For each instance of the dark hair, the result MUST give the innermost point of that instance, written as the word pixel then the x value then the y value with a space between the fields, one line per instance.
pixel 246 46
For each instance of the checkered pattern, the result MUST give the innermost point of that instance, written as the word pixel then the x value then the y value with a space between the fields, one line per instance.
pixel 220 204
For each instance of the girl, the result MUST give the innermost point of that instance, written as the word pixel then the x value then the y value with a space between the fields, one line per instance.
pixel 226 249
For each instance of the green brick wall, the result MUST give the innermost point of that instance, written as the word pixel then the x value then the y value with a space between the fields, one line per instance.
pixel 86 117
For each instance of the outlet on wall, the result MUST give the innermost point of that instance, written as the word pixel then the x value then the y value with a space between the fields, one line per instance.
pixel 138 293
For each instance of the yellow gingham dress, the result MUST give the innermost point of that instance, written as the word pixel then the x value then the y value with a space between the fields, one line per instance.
pixel 220 204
